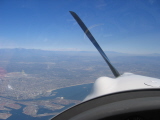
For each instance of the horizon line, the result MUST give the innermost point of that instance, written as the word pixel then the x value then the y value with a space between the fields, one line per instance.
pixel 67 50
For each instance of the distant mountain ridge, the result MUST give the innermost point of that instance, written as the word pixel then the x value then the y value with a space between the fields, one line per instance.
pixel 19 51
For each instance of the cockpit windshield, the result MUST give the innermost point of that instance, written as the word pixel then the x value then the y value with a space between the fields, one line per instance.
pixel 47 64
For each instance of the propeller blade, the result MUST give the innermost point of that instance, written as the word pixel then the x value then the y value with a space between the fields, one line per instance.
pixel 92 39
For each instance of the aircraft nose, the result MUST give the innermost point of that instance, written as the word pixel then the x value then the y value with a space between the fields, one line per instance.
pixel 153 83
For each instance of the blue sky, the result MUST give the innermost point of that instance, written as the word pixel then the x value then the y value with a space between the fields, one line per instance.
pixel 128 26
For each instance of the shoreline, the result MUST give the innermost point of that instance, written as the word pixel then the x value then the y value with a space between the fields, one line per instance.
pixel 68 86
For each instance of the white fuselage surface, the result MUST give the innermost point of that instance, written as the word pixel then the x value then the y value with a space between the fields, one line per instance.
pixel 125 82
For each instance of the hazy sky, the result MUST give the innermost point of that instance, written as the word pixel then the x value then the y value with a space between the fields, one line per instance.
pixel 129 26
